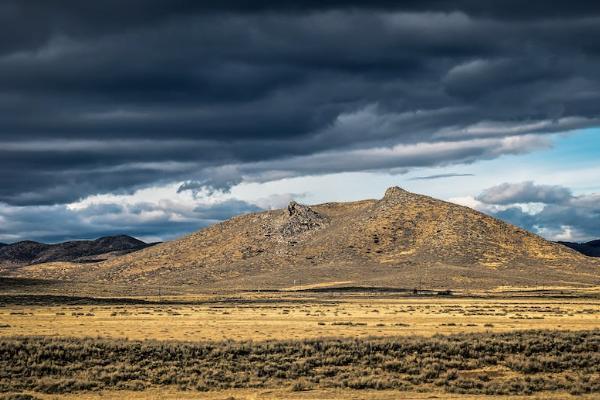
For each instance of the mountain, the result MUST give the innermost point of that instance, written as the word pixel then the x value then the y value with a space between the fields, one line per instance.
pixel 30 252
pixel 591 249
pixel 403 240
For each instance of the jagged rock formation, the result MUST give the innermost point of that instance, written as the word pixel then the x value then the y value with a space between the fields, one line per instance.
pixel 403 240
pixel 590 249
pixel 301 219
pixel 29 252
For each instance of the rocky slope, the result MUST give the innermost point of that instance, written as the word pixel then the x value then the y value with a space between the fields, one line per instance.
pixel 404 240
pixel 590 249
pixel 29 252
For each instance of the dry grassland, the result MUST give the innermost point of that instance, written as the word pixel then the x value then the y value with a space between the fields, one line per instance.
pixel 285 394
pixel 287 319
pixel 274 346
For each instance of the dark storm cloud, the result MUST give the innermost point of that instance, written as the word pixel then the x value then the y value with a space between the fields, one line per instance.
pixel 107 97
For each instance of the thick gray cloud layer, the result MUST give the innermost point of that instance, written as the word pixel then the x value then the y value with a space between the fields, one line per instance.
pixel 564 216
pixel 107 98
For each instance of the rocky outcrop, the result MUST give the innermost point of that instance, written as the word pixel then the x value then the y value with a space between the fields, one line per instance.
pixel 300 219
pixel 395 193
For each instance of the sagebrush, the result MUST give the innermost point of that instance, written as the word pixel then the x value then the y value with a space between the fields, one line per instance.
pixel 503 363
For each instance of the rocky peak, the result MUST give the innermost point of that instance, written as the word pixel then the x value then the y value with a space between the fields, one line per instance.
pixel 394 193
pixel 301 218
pixel 298 209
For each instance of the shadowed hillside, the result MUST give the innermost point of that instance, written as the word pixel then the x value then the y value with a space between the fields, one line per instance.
pixel 403 240
pixel 29 252
pixel 590 249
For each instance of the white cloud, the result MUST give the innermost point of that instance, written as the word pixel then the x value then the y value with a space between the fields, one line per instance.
pixel 553 212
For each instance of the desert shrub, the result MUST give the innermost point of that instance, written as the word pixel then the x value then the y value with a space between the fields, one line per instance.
pixel 540 360
pixel 18 396
pixel 300 386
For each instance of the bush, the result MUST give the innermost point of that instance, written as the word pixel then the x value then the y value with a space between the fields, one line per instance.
pixel 539 360
pixel 19 396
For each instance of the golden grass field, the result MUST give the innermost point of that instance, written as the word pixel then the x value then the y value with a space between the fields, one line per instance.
pixel 283 394
pixel 296 316
pixel 300 318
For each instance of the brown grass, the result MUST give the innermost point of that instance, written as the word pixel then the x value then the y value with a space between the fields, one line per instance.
pixel 285 394
pixel 284 318
pixel 497 359
pixel 514 363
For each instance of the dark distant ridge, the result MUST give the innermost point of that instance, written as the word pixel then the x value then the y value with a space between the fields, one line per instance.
pixel 590 249
pixel 30 252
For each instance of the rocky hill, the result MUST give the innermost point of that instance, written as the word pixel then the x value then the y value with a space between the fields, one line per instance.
pixel 590 249
pixel 29 252
pixel 403 240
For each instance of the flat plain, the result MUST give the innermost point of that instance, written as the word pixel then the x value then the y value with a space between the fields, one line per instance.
pixel 272 317
pixel 302 345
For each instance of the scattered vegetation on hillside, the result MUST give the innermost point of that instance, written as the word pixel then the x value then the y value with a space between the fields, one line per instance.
pixel 510 363
pixel 403 240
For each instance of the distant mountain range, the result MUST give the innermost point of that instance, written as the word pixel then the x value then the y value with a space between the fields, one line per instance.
pixel 403 240
pixel 591 249
pixel 28 252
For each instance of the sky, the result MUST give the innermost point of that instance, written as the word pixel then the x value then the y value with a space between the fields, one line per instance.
pixel 157 118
